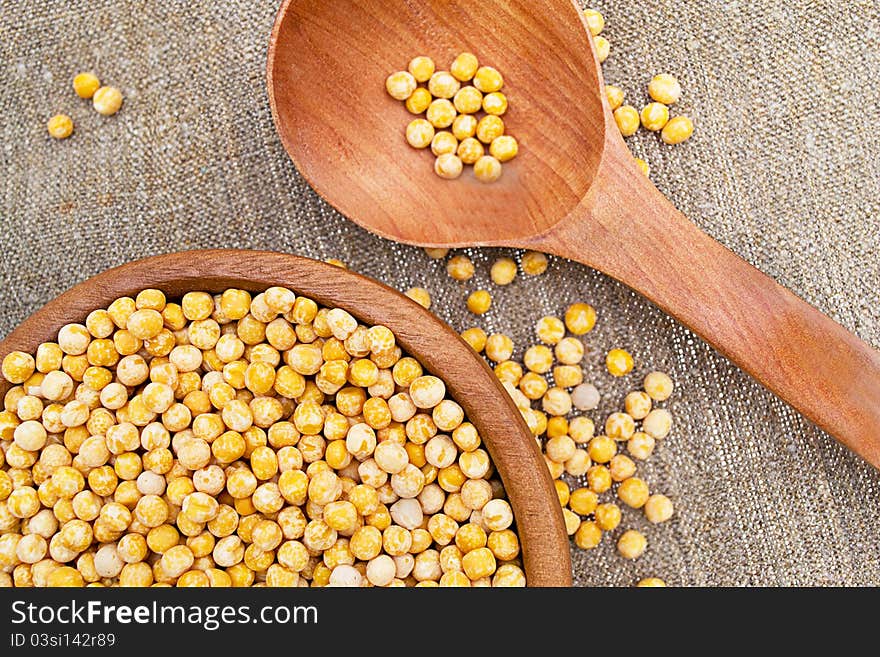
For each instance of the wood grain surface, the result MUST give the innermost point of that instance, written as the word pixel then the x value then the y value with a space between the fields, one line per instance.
pixel 574 191
pixel 468 378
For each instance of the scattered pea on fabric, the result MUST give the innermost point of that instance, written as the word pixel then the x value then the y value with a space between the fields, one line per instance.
pixel 598 465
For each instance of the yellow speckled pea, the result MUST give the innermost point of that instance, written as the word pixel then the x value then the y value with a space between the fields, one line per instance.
pixel 538 358
pixel 466 437
pixel 443 85
pixel 559 448
pixel 578 464
pixel 30 435
pixel 533 385
pixel 470 537
pixel 583 501
pixel 234 304
pixel 637 404
pixel 488 79
pixel 640 446
pixel 172 313
pixel 533 263
pixel 651 582
pixel 508 575
pixel 421 68
pixel 197 305
pixel 642 165
pixel 479 302
pixel 607 516
pixel 464 67
pixel 654 116
pixel 658 386
pixel 460 267
pixel 489 128
pixel 509 371
pixel 107 100
pixel 499 347
pixel 627 119
pixel 441 113
pixel 580 318
pixel 664 88
pixel 48 358
pixel 259 378
pixel 23 502
pixel 633 492
pixel 366 543
pixel 470 150
pixel 464 126
pixel 65 576
pixel 603 48
pixel 620 426
pixel 85 85
pixel 599 479
pixel 468 100
pixel 151 510
pixel 475 337
pixel 503 544
pixel 588 535
pixel 621 467
pixel 151 299
pixel 495 103
pixel 448 166
pixel 658 508
pixel 176 561
pixel 677 130
pixel 657 423
pixel 162 538
pixel 618 362
pixel 60 126
pixel 478 563
pixel 602 449
pixel 631 544
pixel 400 85
pixel 444 142
pixel 74 339
pixel 614 95
pixel 144 324
pixel 504 148
pixel 420 295
pixel 488 169
pixel 595 21
pixel 503 271
pixel 550 330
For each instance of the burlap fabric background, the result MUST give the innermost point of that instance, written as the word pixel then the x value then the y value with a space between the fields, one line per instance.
pixel 782 169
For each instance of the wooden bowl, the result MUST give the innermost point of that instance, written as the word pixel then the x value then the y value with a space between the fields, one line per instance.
pixel 440 350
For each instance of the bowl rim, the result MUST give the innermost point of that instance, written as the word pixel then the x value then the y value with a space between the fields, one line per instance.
pixel 442 352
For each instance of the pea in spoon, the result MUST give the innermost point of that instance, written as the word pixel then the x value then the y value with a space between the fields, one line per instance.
pixel 574 190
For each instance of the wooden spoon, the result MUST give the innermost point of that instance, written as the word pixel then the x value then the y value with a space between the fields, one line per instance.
pixel 468 379
pixel 574 190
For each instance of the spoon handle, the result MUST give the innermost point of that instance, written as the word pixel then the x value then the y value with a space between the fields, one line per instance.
pixel 630 231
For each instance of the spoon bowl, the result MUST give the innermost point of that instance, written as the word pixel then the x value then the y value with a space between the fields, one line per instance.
pixel 346 134
pixel 441 351
pixel 574 190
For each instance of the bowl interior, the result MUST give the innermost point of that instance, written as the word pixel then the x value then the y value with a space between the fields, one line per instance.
pixel 440 350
